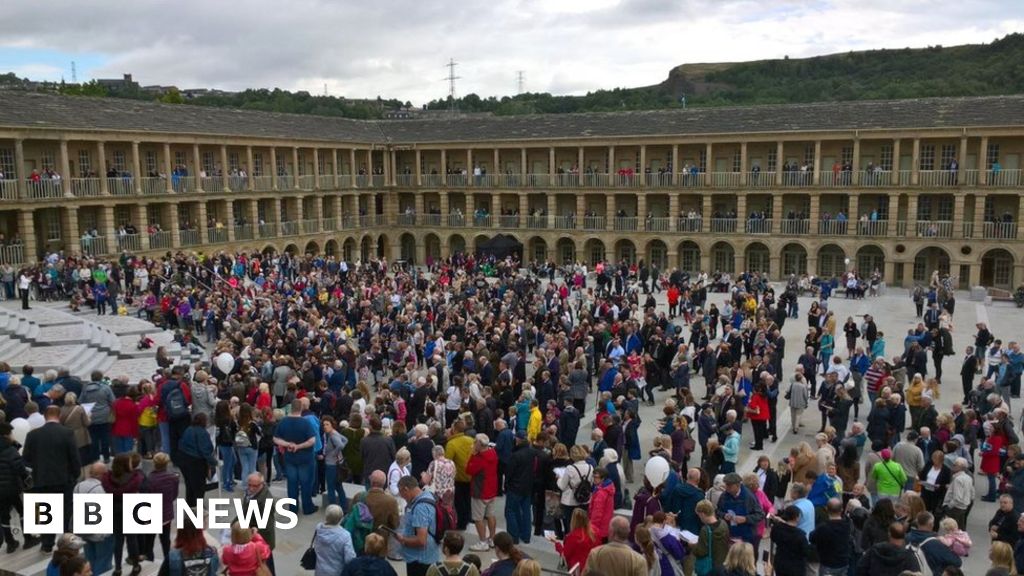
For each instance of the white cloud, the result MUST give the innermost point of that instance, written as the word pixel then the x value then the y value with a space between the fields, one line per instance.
pixel 399 48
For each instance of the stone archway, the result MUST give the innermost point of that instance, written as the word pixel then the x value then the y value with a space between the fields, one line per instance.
pixel 723 258
pixel 689 257
pixel 312 248
pixel 831 261
pixel 366 248
pixel 625 251
pixel 537 249
pixel 997 269
pixel 407 247
pixel 565 250
pixel 331 248
pixel 349 249
pixel 594 251
pixel 291 249
pixel 382 246
pixel 657 254
pixel 929 260
pixel 758 258
pixel 869 259
pixel 794 260
pixel 433 247
pixel 456 244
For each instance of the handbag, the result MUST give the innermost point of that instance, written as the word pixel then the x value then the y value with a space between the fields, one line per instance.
pixel 705 564
pixel 308 560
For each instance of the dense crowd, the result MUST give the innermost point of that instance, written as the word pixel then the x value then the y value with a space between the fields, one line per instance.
pixel 441 392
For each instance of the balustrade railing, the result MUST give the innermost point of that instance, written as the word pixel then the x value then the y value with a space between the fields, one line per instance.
pixel 268 230
pixel 46 188
pixel 795 226
pixel 1004 178
pixel 999 230
pixel 310 226
pixel 690 225
pixel 189 237
pixel 832 227
pixel 657 224
pixel 760 179
pixel 85 187
pixel 536 221
pixel 160 240
pixel 182 184
pixel 456 220
pixel 212 184
pixel 154 186
pixel 934 229
pixel 13 254
pixel 8 189
pixel 593 222
pixel 508 221
pixel 873 228
pixel 759 226
pixel 723 225
pixel 215 235
pixel 262 183
pixel 238 183
pixel 307 181
pixel 483 221
pixel 244 232
pixel 290 228
pixel 93 245
pixel 406 219
pixel 625 223
pixel 128 242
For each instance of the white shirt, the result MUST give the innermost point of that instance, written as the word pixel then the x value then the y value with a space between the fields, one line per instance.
pixel 24 282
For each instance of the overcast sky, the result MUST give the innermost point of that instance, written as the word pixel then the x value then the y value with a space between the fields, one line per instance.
pixel 398 48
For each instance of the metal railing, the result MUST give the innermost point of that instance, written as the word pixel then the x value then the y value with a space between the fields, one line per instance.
pixel 244 232
pixel 691 225
pixel 238 183
pixel 290 228
pixel 85 187
pixel 969 177
pixel 934 229
pixel 310 226
pixel 285 182
pixel 404 219
pixel 1006 178
pixel 871 178
pixel 658 180
pixel 567 222
pixel 262 183
pixel 797 178
pixel 593 222
pixel 508 221
pixel 121 186
pixel 307 181
pixel 832 227
pixel 938 178
pixel 432 220
pixel 8 189
pixel 536 221
pixel 212 184
pixel 326 181
pixel 331 224
pixel 377 181
pixel 403 180
pixel 835 179
pixel 482 220
pixel 692 180
pixel 189 237
pixel 537 180
pixel 723 225
pixel 456 220
pixel 627 223
pixel 627 180
pixel 154 186
pixel 14 254
pixel 967 230
pixel 795 226
pixel 215 235
pixel 566 180
pixel 901 228
pixel 160 240
pixel 657 224
pixel 128 242
pixel 760 179
pixel 759 226
pixel 93 245
pixel 430 180
pixel 1000 230
pixel 873 228
pixel 268 230
pixel 44 189
pixel 183 184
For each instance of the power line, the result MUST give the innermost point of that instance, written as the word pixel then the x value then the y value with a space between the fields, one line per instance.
pixel 451 78
pixel 520 81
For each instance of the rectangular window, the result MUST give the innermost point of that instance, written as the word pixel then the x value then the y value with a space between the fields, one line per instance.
pixel 809 154
pixel 704 160
pixel 321 163
pixel 883 206
pixel 208 163
pixel 991 155
pixel 924 208
pixel 119 161
pixel 7 163
pixel 122 215
pixel 948 153
pixel 47 161
pixel 84 163
pixel 927 160
pixel 257 164
pixel 150 159
pixel 261 211
pixel 773 160
pixel 300 170
pixel 990 209
pixel 885 162
pixel 945 208
pixel 847 155
pixel 737 162
pixel 53 231
pixel 152 214
pixel 87 220
pixel 184 216
pixel 179 159
pixel 233 161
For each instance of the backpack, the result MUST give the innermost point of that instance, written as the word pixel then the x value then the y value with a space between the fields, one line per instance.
pixel 176 407
pixel 203 565
pixel 359 523
pixel 242 439
pixel 583 490
pixel 443 570
pixel 918 551
pixel 444 518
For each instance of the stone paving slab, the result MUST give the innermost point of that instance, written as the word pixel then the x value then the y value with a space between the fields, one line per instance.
pixel 64 333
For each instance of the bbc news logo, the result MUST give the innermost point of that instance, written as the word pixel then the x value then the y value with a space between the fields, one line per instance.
pixel 144 513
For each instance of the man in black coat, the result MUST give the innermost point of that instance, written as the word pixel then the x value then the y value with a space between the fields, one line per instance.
pixel 967 372
pixel 52 454
pixel 519 483
pixel 889 558
pixel 12 481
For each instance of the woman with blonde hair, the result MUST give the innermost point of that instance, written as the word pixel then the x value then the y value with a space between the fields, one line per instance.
pixel 398 469
pixel 527 567
pixel 740 561
pixel 1001 556
pixel 77 419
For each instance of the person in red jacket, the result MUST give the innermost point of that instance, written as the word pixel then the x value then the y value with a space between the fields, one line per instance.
pixel 578 542
pixel 757 411
pixel 673 301
pixel 482 468
pixel 602 504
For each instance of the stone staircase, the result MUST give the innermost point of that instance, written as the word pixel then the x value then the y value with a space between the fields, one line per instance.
pixel 49 336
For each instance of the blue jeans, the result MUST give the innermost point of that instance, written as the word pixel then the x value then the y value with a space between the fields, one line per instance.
pixel 227 467
pixel 123 444
pixel 300 479
pixel 247 456
pixel 165 437
pixel 335 491
pixel 100 434
pixel 519 516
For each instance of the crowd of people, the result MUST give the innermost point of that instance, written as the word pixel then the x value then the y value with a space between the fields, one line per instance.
pixel 441 392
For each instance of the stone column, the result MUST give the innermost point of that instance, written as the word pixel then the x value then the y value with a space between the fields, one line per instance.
pixel 419 169
pixel 167 170
pixel 609 210
pixel 70 230
pixel 815 210
pixel 856 161
pixel 709 165
pixel 445 209
pixel 175 225
pixel 224 168
pixel 65 168
pixel 611 165
pixel 136 170
pixel 741 212
pixel 522 166
pixel 469 167
pixel 743 164
pixel 552 210
pixel 1020 229
pixel 316 169
pixel 983 161
pixel 959 202
pixel 895 162
pixel 353 173
pixel 642 175
pixel 580 159
pixel 912 215
pixel 777 214
pixel 780 159
pixel 273 168
pixel 675 164
pixel 229 219
pixel 979 216
pixel 392 171
pixel 524 208
pixel 296 167
pixel 254 218
pixel 962 161
pixel 335 170
pixel 551 165
pixel 581 210
pixel 101 164
pixel 201 223
pixel 915 167
pixel 852 216
pixel 250 185
pixel 19 173
pixel 894 214
pixel 197 167
pixel 369 164
pixel 817 162
pixel 641 209
pixel 707 207
pixel 496 168
pixel 444 167
pixel 27 229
